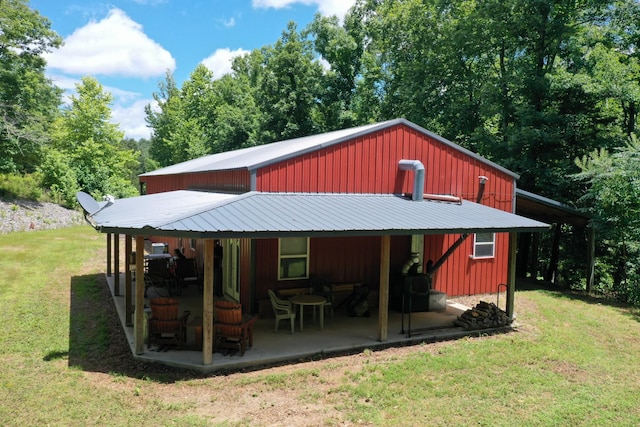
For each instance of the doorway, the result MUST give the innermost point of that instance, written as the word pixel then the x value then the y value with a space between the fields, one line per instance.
pixel 231 268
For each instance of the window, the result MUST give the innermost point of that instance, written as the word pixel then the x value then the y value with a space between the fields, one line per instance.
pixel 293 258
pixel 192 244
pixel 484 245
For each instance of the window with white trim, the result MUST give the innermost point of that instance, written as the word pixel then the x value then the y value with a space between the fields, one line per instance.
pixel 484 245
pixel 293 258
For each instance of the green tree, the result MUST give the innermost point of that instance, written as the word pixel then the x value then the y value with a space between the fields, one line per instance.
pixel 163 119
pixel 613 180
pixel 237 117
pixel 28 100
pixel 342 47
pixel 92 145
pixel 289 87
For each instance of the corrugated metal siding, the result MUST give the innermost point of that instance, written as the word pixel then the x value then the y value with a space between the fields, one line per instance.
pixel 358 260
pixel 463 275
pixel 369 164
pixel 343 260
pixel 234 181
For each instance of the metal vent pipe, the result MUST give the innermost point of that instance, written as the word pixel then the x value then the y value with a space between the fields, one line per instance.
pixel 418 179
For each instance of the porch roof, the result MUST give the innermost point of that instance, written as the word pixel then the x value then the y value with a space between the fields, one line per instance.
pixel 545 209
pixel 194 214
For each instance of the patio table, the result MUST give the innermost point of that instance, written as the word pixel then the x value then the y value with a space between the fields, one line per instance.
pixel 312 300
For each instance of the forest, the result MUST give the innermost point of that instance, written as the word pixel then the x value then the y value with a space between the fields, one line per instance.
pixel 549 89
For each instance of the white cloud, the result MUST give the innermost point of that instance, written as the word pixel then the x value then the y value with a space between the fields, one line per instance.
pixel 326 7
pixel 114 46
pixel 64 82
pixel 220 61
pixel 229 22
pixel 131 118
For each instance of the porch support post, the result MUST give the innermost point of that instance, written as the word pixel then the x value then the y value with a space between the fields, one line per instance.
pixel 383 303
pixel 109 254
pixel 128 309
pixel 207 304
pixel 552 271
pixel 591 257
pixel 116 264
pixel 138 325
pixel 511 273
pixel 535 255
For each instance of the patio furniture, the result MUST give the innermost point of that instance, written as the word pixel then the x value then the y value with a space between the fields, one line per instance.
pixel 322 286
pixel 282 309
pixel 165 327
pixel 158 272
pixel 233 330
pixel 312 300
pixel 187 273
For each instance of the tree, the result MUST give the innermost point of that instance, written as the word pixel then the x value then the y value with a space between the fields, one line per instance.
pixel 92 145
pixel 28 100
pixel 289 88
pixel 613 180
pixel 342 48
pixel 236 113
pixel 164 121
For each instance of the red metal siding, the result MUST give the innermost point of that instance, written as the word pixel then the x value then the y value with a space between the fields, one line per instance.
pixel 234 181
pixel 369 164
pixel 343 260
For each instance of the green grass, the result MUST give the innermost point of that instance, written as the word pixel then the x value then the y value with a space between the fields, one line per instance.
pixel 573 361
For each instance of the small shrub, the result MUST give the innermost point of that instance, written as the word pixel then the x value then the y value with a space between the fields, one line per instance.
pixel 14 186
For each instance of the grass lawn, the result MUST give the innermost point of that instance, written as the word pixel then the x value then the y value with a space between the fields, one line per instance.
pixel 573 361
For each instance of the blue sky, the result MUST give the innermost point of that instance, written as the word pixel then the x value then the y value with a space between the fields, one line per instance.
pixel 128 45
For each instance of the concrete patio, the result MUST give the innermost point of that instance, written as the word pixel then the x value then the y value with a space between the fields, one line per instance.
pixel 341 334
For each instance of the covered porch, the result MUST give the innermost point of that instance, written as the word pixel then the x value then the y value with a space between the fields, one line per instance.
pixel 210 216
pixel 341 335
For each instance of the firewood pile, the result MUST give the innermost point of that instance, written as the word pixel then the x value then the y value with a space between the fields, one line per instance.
pixel 483 315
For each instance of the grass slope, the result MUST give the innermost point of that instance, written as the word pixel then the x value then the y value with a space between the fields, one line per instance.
pixel 65 362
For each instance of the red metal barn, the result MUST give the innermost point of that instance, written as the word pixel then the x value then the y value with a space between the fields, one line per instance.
pixel 359 160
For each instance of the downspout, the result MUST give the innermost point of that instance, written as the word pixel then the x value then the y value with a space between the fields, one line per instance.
pixel 463 237
pixel 418 179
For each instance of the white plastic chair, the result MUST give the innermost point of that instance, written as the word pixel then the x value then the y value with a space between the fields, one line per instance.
pixel 282 309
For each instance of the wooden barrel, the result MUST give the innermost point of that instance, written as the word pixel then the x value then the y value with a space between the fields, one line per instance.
pixel 164 308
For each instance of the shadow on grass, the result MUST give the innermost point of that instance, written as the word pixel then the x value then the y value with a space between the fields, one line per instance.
pixel 564 293
pixel 97 342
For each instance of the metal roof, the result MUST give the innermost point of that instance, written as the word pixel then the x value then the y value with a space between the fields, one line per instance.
pixel 259 215
pixel 259 156
pixel 544 209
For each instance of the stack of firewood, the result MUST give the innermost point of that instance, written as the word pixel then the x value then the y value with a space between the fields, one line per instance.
pixel 483 315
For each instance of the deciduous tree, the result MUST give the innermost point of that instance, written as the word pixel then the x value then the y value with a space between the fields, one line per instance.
pixel 28 100
pixel 92 145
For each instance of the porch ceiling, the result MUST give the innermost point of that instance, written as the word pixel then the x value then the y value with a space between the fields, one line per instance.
pixel 260 215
